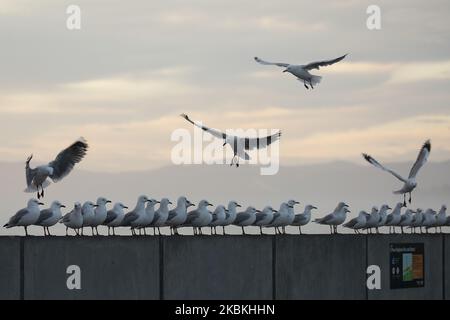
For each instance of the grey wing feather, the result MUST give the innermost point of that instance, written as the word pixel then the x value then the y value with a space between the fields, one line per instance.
pixel 262 142
pixel 267 63
pixel 214 132
pixel 421 159
pixel 192 216
pixel 375 163
pixel 241 217
pixel 260 216
pixel 172 214
pixel 318 64
pixel 29 173
pixel 16 218
pixel 66 159
pixel 129 217
pixel 110 216
pixel 45 214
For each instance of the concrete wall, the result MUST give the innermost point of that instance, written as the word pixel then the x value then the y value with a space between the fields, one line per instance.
pixel 214 267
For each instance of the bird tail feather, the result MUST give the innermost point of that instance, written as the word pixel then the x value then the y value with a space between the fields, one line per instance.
pixel 315 80
pixel 32 188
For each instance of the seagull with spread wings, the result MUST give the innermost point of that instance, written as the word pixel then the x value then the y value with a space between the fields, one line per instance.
pixel 410 183
pixel 302 71
pixel 55 170
pixel 239 144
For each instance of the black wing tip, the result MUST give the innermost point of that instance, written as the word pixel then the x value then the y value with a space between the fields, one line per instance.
pixel 367 157
pixel 185 116
pixel 427 145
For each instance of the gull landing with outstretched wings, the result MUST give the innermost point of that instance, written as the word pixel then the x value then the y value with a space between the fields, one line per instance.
pixel 55 170
pixel 239 144
pixel 302 71
pixel 410 183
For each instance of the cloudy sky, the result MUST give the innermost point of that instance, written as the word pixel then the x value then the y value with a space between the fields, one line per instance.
pixel 123 79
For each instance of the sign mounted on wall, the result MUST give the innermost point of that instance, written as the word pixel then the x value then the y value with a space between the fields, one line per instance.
pixel 407 265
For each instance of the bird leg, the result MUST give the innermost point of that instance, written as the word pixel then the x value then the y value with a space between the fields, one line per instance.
pixel 26 231
pixel 310 83
pixel 404 199
pixel 243 230
pixel 304 83
pixel 410 197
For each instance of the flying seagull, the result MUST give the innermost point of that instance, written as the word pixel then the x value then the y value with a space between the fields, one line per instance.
pixel 55 170
pixel 302 71
pixel 239 144
pixel 410 183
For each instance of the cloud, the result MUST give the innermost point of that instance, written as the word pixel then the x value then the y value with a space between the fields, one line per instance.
pixel 420 72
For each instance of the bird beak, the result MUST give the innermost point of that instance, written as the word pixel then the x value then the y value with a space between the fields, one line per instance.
pixel 274 211
pixel 62 206
pixel 285 70
pixel 95 205
pixel 346 205
pixel 40 203
pixel 238 205
pixel 170 202
pixel 125 207
pixel 314 207
pixel 296 202
pixel 191 204
pixel 224 144
pixel 210 204
pixel 108 201
pixel 259 211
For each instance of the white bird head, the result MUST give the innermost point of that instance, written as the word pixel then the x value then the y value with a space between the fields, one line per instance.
pixel 102 201
pixel 34 202
pixel 292 203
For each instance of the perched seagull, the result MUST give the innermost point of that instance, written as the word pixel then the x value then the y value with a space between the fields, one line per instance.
pixel 441 218
pixel 88 212
pixel 304 218
pixel 178 215
pixel 406 219
pixel 373 219
pixel 239 144
pixel 383 216
pixel 132 218
pixel 278 217
pixel 200 217
pixel 264 217
pixel 149 216
pixel 25 217
pixel 246 218
pixel 302 71
pixel 393 219
pixel 417 221
pixel 100 213
pixel 284 217
pixel 335 218
pixel 49 217
pixel 73 219
pixel 115 217
pixel 231 214
pixel 161 214
pixel 357 223
pixel 218 218
pixel 410 183
pixel 429 219
pixel 55 170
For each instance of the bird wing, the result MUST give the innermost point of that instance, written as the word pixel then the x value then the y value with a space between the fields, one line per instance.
pixel 30 174
pixel 16 218
pixel 378 165
pixel 110 216
pixel 214 132
pixel 267 63
pixel 261 142
pixel 130 217
pixel 241 217
pixel 66 159
pixel 318 64
pixel 192 216
pixel 45 214
pixel 172 214
pixel 421 159
pixel 260 216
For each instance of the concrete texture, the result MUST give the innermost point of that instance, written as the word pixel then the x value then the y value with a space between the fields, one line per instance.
pixel 111 268
pixel 446 274
pixel 378 253
pixel 320 267
pixel 9 268
pixel 218 267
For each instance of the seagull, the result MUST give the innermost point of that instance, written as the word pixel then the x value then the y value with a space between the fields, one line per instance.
pixel 230 214
pixel 410 183
pixel 335 218
pixel 304 218
pixel 218 218
pixel 200 217
pixel 383 216
pixel 73 219
pixel 115 217
pixel 161 214
pixel 302 71
pixel 441 218
pixel 406 219
pixel 417 221
pixel 239 144
pixel 264 217
pixel 149 216
pixel 55 170
pixel 178 215
pixel 49 217
pixel 429 219
pixel 100 213
pixel 393 219
pixel 25 217
pixel 284 217
pixel 132 218
pixel 357 223
pixel 246 218
pixel 372 219
pixel 88 212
